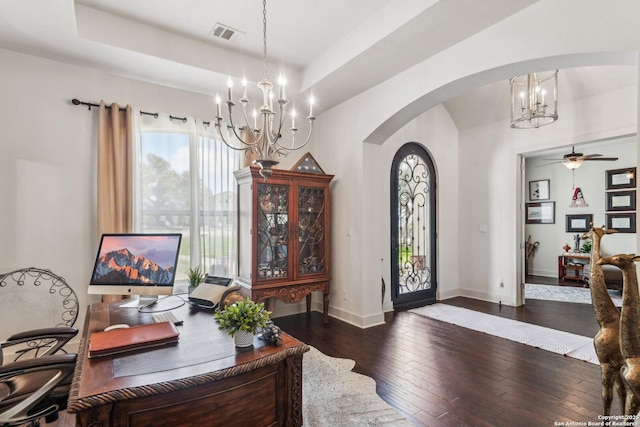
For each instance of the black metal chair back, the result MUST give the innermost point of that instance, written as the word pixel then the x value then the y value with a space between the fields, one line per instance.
pixel 41 303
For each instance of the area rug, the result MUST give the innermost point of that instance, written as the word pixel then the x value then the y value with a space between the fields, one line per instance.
pixel 560 342
pixel 333 396
pixel 566 294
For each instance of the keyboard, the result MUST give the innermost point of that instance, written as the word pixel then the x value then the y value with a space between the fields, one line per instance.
pixel 167 316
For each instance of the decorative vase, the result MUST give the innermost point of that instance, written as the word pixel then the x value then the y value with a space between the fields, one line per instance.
pixel 243 339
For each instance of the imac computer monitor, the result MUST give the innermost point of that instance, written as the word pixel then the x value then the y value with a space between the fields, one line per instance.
pixel 136 264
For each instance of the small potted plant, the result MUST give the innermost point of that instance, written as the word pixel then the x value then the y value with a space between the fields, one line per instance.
pixel 242 320
pixel 195 276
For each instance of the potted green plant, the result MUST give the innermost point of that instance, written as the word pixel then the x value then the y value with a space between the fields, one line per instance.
pixel 242 320
pixel 195 276
pixel 586 246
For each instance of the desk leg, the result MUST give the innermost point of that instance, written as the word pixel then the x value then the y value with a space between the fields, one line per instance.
pixel 94 417
pixel 294 377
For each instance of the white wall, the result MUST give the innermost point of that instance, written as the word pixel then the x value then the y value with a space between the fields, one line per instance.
pixel 489 183
pixel 590 178
pixel 437 133
pixel 48 172
pixel 487 191
pixel 360 204
pixel 48 155
pixel 490 188
pixel 48 162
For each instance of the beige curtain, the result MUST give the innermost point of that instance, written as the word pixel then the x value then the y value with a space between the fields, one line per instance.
pixel 115 145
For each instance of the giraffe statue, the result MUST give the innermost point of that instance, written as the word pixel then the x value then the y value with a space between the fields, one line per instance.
pixel 629 328
pixel 607 340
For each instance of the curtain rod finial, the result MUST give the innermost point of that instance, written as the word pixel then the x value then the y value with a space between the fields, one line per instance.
pixel 76 101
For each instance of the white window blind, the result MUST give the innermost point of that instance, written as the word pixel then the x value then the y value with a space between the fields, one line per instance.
pixel 184 183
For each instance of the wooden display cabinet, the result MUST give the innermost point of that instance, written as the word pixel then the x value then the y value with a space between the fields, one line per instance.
pixel 571 266
pixel 284 235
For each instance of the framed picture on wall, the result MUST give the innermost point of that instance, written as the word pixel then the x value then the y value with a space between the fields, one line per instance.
pixel 621 178
pixel 541 213
pixel 578 223
pixel 539 190
pixel 622 222
pixel 621 200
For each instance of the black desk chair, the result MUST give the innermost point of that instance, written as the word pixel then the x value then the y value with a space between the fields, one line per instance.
pixel 36 384
pixel 35 388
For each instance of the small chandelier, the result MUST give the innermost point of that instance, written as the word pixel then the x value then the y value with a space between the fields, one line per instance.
pixel 262 137
pixel 531 96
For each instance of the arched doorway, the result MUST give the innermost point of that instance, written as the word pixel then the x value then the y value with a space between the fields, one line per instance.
pixel 413 228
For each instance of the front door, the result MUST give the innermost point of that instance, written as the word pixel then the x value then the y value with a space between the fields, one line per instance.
pixel 413 228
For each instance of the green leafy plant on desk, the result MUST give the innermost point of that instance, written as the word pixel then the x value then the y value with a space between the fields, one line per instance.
pixel 586 246
pixel 244 315
pixel 195 276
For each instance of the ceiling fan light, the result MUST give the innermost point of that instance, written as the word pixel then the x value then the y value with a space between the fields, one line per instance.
pixel 572 164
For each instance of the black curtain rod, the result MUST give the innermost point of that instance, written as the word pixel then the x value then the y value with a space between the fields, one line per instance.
pixel 75 101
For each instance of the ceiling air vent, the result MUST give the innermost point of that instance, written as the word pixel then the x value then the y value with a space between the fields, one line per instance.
pixel 222 32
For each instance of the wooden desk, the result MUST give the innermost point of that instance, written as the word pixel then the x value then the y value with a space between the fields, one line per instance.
pixel 566 271
pixel 202 380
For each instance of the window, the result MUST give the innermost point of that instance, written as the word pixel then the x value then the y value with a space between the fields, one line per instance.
pixel 184 183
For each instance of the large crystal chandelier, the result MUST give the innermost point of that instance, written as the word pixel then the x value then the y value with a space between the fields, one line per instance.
pixel 534 100
pixel 261 136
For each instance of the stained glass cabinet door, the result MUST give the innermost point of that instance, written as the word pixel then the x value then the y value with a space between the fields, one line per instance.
pixel 312 238
pixel 272 231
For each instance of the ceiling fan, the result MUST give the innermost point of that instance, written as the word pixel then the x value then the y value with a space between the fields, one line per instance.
pixel 573 160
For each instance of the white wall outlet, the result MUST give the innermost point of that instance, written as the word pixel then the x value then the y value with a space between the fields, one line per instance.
pixel 500 282
pixel 345 294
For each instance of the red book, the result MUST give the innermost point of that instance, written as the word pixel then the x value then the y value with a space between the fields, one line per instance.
pixel 105 343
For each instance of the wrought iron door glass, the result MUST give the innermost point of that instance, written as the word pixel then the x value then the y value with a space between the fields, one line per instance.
pixel 273 230
pixel 311 233
pixel 413 221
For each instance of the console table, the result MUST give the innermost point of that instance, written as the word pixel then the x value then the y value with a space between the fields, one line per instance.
pixel 202 380
pixel 570 266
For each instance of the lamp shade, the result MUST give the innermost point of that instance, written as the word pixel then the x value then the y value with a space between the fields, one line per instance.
pixel 572 164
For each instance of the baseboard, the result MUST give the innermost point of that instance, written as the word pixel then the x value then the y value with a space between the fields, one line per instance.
pixel 545 273
pixel 283 310
pixel 362 322
pixel 376 319
pixel 448 294
pixel 483 296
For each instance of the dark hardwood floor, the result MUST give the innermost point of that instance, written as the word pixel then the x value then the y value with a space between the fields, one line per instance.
pixel 438 374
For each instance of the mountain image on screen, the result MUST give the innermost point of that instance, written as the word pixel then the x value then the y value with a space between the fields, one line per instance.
pixel 122 266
